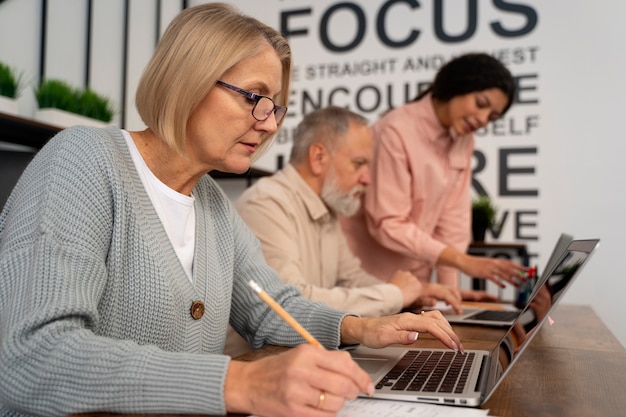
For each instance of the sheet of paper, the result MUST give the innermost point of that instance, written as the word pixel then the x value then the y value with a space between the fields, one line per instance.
pixel 365 407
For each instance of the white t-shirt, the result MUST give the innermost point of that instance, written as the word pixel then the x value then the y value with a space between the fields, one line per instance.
pixel 176 210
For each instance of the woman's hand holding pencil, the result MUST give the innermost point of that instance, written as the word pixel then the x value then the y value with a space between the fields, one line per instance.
pixel 305 381
pixel 308 381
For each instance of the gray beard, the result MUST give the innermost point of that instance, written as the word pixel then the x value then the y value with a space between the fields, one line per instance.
pixel 345 204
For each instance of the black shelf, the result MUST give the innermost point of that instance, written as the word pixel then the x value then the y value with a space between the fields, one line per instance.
pixel 25 132
pixel 35 134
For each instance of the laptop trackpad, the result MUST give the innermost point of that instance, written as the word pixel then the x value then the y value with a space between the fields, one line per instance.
pixel 371 365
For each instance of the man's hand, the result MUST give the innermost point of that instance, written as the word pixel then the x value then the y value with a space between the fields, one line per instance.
pixel 431 293
pixel 410 286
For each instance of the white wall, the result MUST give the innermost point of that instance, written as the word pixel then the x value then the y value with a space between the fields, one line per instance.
pixel 572 63
pixel 584 188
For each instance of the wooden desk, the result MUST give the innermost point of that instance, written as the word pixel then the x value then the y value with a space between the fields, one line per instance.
pixel 574 368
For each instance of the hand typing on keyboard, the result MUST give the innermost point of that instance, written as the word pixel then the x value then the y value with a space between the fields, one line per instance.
pixel 400 328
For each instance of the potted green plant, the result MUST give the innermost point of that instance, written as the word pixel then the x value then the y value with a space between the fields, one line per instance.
pixel 483 216
pixel 63 105
pixel 11 84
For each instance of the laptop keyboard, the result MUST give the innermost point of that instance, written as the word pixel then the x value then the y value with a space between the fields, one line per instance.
pixel 429 371
pixel 495 315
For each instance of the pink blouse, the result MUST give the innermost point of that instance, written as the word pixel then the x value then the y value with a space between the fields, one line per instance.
pixel 419 200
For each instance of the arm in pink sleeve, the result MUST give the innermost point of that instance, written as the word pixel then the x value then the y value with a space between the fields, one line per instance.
pixel 453 227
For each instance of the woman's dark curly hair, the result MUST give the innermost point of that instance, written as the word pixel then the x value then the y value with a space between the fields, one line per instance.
pixel 468 73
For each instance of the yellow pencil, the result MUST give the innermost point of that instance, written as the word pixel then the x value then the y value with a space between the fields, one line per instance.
pixel 283 314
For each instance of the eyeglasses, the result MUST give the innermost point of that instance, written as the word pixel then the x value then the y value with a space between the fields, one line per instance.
pixel 263 105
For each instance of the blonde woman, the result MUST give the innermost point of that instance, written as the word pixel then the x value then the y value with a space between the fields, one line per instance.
pixel 123 263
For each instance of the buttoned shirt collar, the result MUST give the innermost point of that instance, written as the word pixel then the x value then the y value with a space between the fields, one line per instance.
pixel 315 206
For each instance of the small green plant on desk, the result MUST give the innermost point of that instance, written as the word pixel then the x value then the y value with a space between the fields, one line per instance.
pixel 483 216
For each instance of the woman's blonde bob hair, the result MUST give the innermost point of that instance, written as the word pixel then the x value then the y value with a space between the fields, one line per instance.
pixel 200 45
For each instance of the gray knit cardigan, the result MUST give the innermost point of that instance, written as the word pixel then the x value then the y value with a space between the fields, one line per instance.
pixel 95 306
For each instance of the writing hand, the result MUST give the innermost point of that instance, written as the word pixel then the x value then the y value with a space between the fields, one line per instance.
pixel 306 381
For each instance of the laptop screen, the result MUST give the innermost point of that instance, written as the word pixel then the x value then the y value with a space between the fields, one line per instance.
pixel 554 283
pixel 561 245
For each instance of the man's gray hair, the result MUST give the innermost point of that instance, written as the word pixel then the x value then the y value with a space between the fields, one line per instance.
pixel 327 125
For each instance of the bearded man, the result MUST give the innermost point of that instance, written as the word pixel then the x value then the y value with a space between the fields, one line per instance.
pixel 293 213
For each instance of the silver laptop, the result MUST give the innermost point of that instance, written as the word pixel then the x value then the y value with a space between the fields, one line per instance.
pixel 504 315
pixel 441 376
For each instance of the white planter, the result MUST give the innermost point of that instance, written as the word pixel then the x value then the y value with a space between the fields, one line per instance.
pixel 63 119
pixel 8 106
